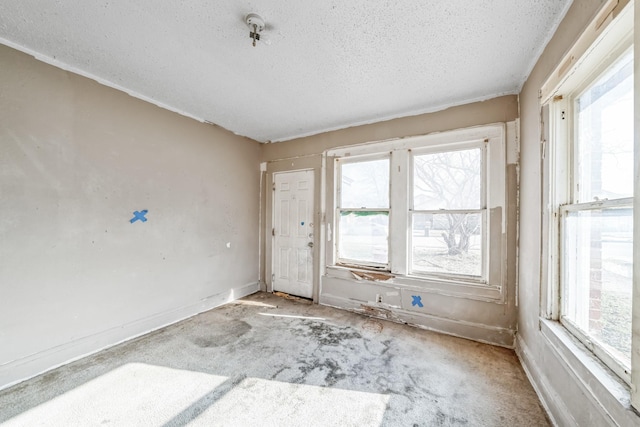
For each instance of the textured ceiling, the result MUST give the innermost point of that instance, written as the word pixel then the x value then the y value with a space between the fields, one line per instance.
pixel 321 65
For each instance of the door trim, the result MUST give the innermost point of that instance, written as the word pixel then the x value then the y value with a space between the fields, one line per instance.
pixel 311 163
pixel 274 249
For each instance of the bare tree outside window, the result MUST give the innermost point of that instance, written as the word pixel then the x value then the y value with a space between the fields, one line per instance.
pixel 447 212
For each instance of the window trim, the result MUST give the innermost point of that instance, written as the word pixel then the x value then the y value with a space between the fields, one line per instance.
pixel 465 145
pixel 338 209
pixel 593 376
pixel 598 49
pixel 493 288
pixel 599 351
pixel 561 207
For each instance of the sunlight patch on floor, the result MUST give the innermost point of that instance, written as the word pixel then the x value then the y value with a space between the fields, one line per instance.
pixel 256 401
pixel 291 316
pixel 142 394
pixel 253 303
pixel 133 394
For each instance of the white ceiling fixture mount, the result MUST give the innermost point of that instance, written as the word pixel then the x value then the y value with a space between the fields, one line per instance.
pixel 256 26
pixel 330 64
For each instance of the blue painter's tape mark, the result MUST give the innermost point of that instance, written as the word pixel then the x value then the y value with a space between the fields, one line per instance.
pixel 139 216
pixel 417 300
pixel 302 223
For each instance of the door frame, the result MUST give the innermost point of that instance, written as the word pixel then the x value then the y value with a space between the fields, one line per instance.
pixel 293 227
pixel 313 163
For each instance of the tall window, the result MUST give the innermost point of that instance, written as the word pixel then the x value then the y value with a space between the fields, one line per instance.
pixel 448 212
pixel 591 187
pixel 363 212
pixel 597 220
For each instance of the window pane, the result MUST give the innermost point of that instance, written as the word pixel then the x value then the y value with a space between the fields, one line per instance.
pixel 605 135
pixel 597 277
pixel 449 180
pixel 365 184
pixel 447 243
pixel 363 236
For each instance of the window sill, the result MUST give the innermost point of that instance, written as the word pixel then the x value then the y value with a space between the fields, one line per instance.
pixel 604 385
pixel 453 288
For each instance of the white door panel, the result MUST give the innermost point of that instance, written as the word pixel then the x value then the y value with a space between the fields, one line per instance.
pixel 293 233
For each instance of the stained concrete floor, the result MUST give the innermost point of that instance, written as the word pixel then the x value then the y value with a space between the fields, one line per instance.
pixel 265 360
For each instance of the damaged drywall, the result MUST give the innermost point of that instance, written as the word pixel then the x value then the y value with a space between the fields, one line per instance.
pixel 483 313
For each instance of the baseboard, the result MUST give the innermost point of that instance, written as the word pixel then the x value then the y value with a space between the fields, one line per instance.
pixel 488 334
pixel 552 403
pixel 35 364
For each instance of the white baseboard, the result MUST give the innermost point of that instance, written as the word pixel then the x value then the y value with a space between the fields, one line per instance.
pixel 552 403
pixel 493 335
pixel 35 364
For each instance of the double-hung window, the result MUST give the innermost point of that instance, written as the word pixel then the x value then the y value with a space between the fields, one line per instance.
pixel 428 209
pixel 597 220
pixel 363 212
pixel 592 185
pixel 448 211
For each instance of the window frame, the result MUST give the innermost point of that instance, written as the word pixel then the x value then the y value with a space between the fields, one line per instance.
pixel 339 209
pixel 495 136
pixel 584 337
pixel 563 169
pixel 467 145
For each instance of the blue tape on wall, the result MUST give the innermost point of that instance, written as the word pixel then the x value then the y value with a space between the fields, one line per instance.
pixel 139 215
pixel 417 300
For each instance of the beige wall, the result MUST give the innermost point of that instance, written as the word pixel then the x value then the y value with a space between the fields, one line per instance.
pixel 575 389
pixel 453 313
pixel 76 160
pixel 571 27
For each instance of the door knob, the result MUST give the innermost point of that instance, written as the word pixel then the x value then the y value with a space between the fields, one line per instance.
pixel 310 244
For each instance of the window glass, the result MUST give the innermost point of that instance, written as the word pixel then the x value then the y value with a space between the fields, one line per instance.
pixel 447 180
pixel 447 243
pixel 364 236
pixel 592 186
pixel 437 225
pixel 365 184
pixel 605 135
pixel 598 264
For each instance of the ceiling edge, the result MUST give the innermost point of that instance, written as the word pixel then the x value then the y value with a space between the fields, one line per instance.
pixel 411 113
pixel 540 50
pixel 64 66
pixel 108 83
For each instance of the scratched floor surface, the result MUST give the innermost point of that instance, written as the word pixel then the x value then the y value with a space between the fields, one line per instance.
pixel 266 360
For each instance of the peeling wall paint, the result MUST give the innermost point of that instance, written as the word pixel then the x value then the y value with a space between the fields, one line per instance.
pixel 466 313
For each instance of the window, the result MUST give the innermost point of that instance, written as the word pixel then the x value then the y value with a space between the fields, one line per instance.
pixel 447 219
pixel 429 208
pixel 591 184
pixel 597 221
pixel 363 212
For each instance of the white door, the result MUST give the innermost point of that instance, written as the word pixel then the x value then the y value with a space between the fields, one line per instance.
pixel 293 233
